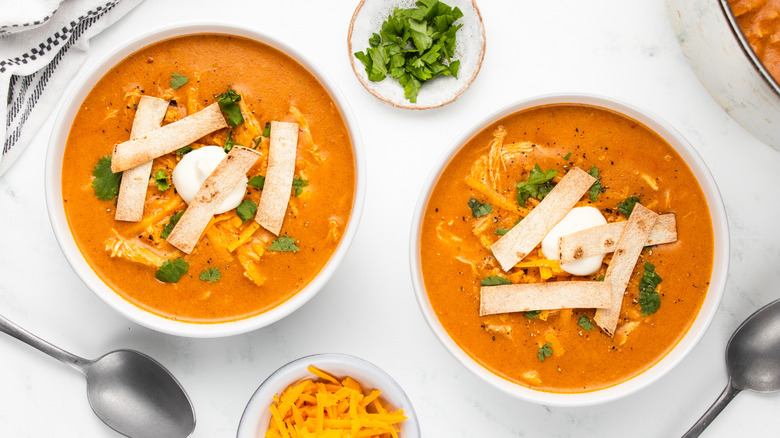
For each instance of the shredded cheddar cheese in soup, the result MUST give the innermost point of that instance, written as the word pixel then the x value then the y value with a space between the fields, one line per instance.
pixel 497 180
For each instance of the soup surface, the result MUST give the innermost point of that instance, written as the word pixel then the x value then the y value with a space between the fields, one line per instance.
pixel 557 350
pixel 760 23
pixel 253 276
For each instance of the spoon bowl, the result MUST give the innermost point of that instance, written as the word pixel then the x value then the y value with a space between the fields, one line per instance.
pixel 752 361
pixel 131 392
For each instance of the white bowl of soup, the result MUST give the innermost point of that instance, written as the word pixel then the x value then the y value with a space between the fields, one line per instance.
pixel 375 393
pixel 240 276
pixel 528 156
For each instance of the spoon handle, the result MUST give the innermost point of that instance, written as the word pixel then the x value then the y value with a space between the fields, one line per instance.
pixel 23 335
pixel 725 397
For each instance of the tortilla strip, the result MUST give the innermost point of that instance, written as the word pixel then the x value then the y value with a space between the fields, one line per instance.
pixel 603 238
pixel 544 296
pixel 630 245
pixel 210 196
pixel 525 236
pixel 167 139
pixel 278 177
pixel 135 181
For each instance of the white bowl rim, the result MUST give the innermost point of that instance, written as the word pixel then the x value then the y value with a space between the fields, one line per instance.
pixel 78 90
pixel 254 414
pixel 696 330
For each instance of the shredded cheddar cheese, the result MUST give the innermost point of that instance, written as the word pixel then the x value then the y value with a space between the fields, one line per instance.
pixel 327 407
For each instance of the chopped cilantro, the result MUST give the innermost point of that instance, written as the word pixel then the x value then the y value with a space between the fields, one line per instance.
pixel 479 209
pixel 298 184
pixel 267 130
pixel 601 278
pixel 106 182
pixel 172 270
pixel 532 314
pixel 257 142
pixel 162 180
pixel 229 143
pixel 502 231
pixel 257 182
pixel 184 151
pixel 495 280
pixel 284 243
pixel 211 275
pixel 413 46
pixel 167 228
pixel 544 352
pixel 246 210
pixel 649 299
pixel 585 323
pixel 567 156
pixel 538 184
pixel 596 188
pixel 227 102
pixel 627 206
pixel 178 80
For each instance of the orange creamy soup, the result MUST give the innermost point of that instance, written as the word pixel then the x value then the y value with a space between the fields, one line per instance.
pixel 474 203
pixel 237 269
pixel 760 23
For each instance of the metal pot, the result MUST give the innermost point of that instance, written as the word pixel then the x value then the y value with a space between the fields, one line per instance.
pixel 721 57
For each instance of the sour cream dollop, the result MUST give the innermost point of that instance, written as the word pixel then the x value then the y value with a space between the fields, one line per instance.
pixel 578 219
pixel 195 167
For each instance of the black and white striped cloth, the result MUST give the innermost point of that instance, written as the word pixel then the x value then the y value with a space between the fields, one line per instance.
pixel 42 45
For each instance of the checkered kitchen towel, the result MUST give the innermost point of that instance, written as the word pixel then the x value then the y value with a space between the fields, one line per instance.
pixel 42 45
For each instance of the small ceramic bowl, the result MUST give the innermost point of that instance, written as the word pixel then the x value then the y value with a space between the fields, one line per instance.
pixel 256 417
pixel 684 346
pixel 82 86
pixel 469 49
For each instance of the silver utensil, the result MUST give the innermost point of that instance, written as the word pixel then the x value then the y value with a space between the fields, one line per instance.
pixel 752 360
pixel 131 392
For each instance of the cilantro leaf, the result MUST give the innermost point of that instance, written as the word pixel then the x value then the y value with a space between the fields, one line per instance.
pixel 246 210
pixel 495 280
pixel 298 184
pixel 649 300
pixel 567 156
pixel 532 314
pixel 172 270
pixel 229 143
pixel 585 323
pixel 178 80
pixel 227 102
pixel 162 180
pixel 106 182
pixel 544 352
pixel 267 130
pixel 538 184
pixel 184 151
pixel 596 188
pixel 502 231
pixel 211 275
pixel 257 182
pixel 479 209
pixel 167 228
pixel 284 243
pixel 627 206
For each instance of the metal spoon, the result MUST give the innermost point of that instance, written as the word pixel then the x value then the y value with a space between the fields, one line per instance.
pixel 131 392
pixel 752 360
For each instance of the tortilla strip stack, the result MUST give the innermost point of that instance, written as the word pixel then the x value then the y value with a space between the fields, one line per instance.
pixel 210 196
pixel 633 239
pixel 135 181
pixel 544 296
pixel 278 177
pixel 604 238
pixel 525 236
pixel 167 139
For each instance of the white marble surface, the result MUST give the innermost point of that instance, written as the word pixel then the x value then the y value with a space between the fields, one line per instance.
pixel 614 48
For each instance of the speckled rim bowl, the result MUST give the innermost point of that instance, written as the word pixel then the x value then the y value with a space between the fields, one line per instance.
pixel 256 417
pixel 78 92
pixel 686 344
